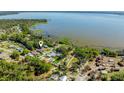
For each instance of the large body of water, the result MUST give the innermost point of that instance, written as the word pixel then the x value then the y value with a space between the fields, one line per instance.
pixel 93 29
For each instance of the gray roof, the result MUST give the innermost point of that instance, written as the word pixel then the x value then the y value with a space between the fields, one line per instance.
pixel 63 78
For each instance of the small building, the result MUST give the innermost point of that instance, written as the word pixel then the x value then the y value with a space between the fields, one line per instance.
pixel 30 54
pixel 19 49
pixel 58 54
pixel 101 68
pixel 111 60
pixel 45 46
pixel 12 46
pixel 39 50
pixel 55 77
pixel 63 78
pixel 34 53
pixel 52 54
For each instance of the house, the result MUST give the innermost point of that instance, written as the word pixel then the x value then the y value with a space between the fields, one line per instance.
pixel 111 60
pixel 63 78
pixel 30 54
pixel 39 50
pixel 55 77
pixel 45 46
pixel 58 54
pixel 101 68
pixel 34 53
pixel 12 46
pixel 52 54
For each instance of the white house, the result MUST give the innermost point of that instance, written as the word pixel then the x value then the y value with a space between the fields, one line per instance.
pixel 63 78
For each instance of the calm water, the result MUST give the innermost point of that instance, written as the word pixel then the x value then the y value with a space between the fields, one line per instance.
pixel 94 29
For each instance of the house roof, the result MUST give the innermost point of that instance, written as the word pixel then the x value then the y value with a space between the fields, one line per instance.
pixel 34 53
pixel 63 78
pixel 52 54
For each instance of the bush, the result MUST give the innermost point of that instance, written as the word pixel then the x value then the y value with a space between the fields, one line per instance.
pixel 108 52
pixel 48 42
pixel 42 68
pixel 13 71
pixel 20 38
pixel 29 45
pixel 39 66
pixel 64 41
pixel 118 76
pixel 113 54
pixel 1 50
pixel 37 34
pixel 25 28
pixel 34 61
pixel 3 37
pixel 104 77
pixel 36 43
pixel 17 37
pixel 15 55
pixel 25 51
pixel 16 71
pixel 27 58
pixel 62 50
pixel 86 53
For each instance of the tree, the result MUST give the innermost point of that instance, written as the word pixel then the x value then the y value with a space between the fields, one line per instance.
pixel 64 41
pixel 3 37
pixel 118 76
pixel 36 43
pixel 37 34
pixel 17 37
pixel 62 50
pixel 13 71
pixel 29 45
pixel 15 55
pixel 25 51
pixel 42 67
pixel 25 28
pixel 108 52
pixel 86 53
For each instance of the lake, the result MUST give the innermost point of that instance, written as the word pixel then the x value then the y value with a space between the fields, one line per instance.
pixel 92 29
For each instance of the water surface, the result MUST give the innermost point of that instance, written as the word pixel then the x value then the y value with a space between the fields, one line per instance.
pixel 93 29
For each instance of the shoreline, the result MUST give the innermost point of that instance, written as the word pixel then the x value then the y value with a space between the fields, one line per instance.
pixel 56 57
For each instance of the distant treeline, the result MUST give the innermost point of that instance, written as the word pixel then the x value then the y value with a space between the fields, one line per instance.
pixel 8 23
pixel 8 12
pixel 100 12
